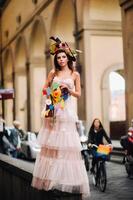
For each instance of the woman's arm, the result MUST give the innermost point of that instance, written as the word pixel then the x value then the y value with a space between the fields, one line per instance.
pixel 91 136
pixel 49 78
pixel 106 137
pixel 77 92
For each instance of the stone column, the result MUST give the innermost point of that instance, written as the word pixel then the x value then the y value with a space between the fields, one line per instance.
pixel 37 80
pixel 28 96
pixel 80 68
pixel 127 25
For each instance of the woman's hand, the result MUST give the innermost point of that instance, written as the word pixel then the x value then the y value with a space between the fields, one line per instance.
pixel 89 145
pixel 111 146
pixel 64 86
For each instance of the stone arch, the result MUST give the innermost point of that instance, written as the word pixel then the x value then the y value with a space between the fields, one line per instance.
pixel 37 38
pixel 8 83
pixel 21 58
pixel 21 53
pixel 105 93
pixel 37 70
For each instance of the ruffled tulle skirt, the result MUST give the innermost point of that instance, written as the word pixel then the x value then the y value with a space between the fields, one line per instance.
pixel 59 165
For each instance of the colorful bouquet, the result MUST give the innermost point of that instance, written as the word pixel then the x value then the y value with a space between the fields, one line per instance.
pixel 56 96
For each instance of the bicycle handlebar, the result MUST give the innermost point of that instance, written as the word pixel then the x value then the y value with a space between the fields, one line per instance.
pixel 92 145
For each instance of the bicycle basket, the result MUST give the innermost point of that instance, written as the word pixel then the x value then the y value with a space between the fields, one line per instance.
pixel 102 152
pixel 104 149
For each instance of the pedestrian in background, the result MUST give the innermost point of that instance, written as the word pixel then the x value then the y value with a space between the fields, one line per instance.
pixel 17 126
pixel 3 133
pixel 15 139
pixel 126 141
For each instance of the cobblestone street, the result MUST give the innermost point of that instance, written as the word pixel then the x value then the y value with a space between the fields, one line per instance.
pixel 118 185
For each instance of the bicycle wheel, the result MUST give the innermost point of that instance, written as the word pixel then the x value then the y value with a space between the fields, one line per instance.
pixel 102 177
pixel 87 164
pixel 94 176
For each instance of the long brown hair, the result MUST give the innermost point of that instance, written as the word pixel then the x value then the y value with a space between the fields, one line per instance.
pixel 100 124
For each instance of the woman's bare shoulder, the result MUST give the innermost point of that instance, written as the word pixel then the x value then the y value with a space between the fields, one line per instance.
pixel 76 74
pixel 52 72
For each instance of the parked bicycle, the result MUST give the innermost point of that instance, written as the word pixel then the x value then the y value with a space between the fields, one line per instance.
pixel 102 154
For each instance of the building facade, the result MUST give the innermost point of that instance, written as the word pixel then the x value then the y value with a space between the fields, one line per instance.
pixel 93 26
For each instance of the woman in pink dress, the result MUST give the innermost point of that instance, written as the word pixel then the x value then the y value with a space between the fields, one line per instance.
pixel 59 165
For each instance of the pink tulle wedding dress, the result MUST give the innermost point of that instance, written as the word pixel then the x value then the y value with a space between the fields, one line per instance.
pixel 59 165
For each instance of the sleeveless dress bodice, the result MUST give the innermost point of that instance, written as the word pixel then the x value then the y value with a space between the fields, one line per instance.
pixel 68 113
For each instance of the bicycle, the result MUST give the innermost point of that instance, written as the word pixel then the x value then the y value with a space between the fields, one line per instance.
pixel 100 174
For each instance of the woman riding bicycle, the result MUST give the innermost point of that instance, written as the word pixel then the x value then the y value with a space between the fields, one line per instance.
pixel 95 136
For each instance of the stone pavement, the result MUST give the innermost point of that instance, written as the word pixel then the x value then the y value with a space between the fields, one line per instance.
pixel 118 185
